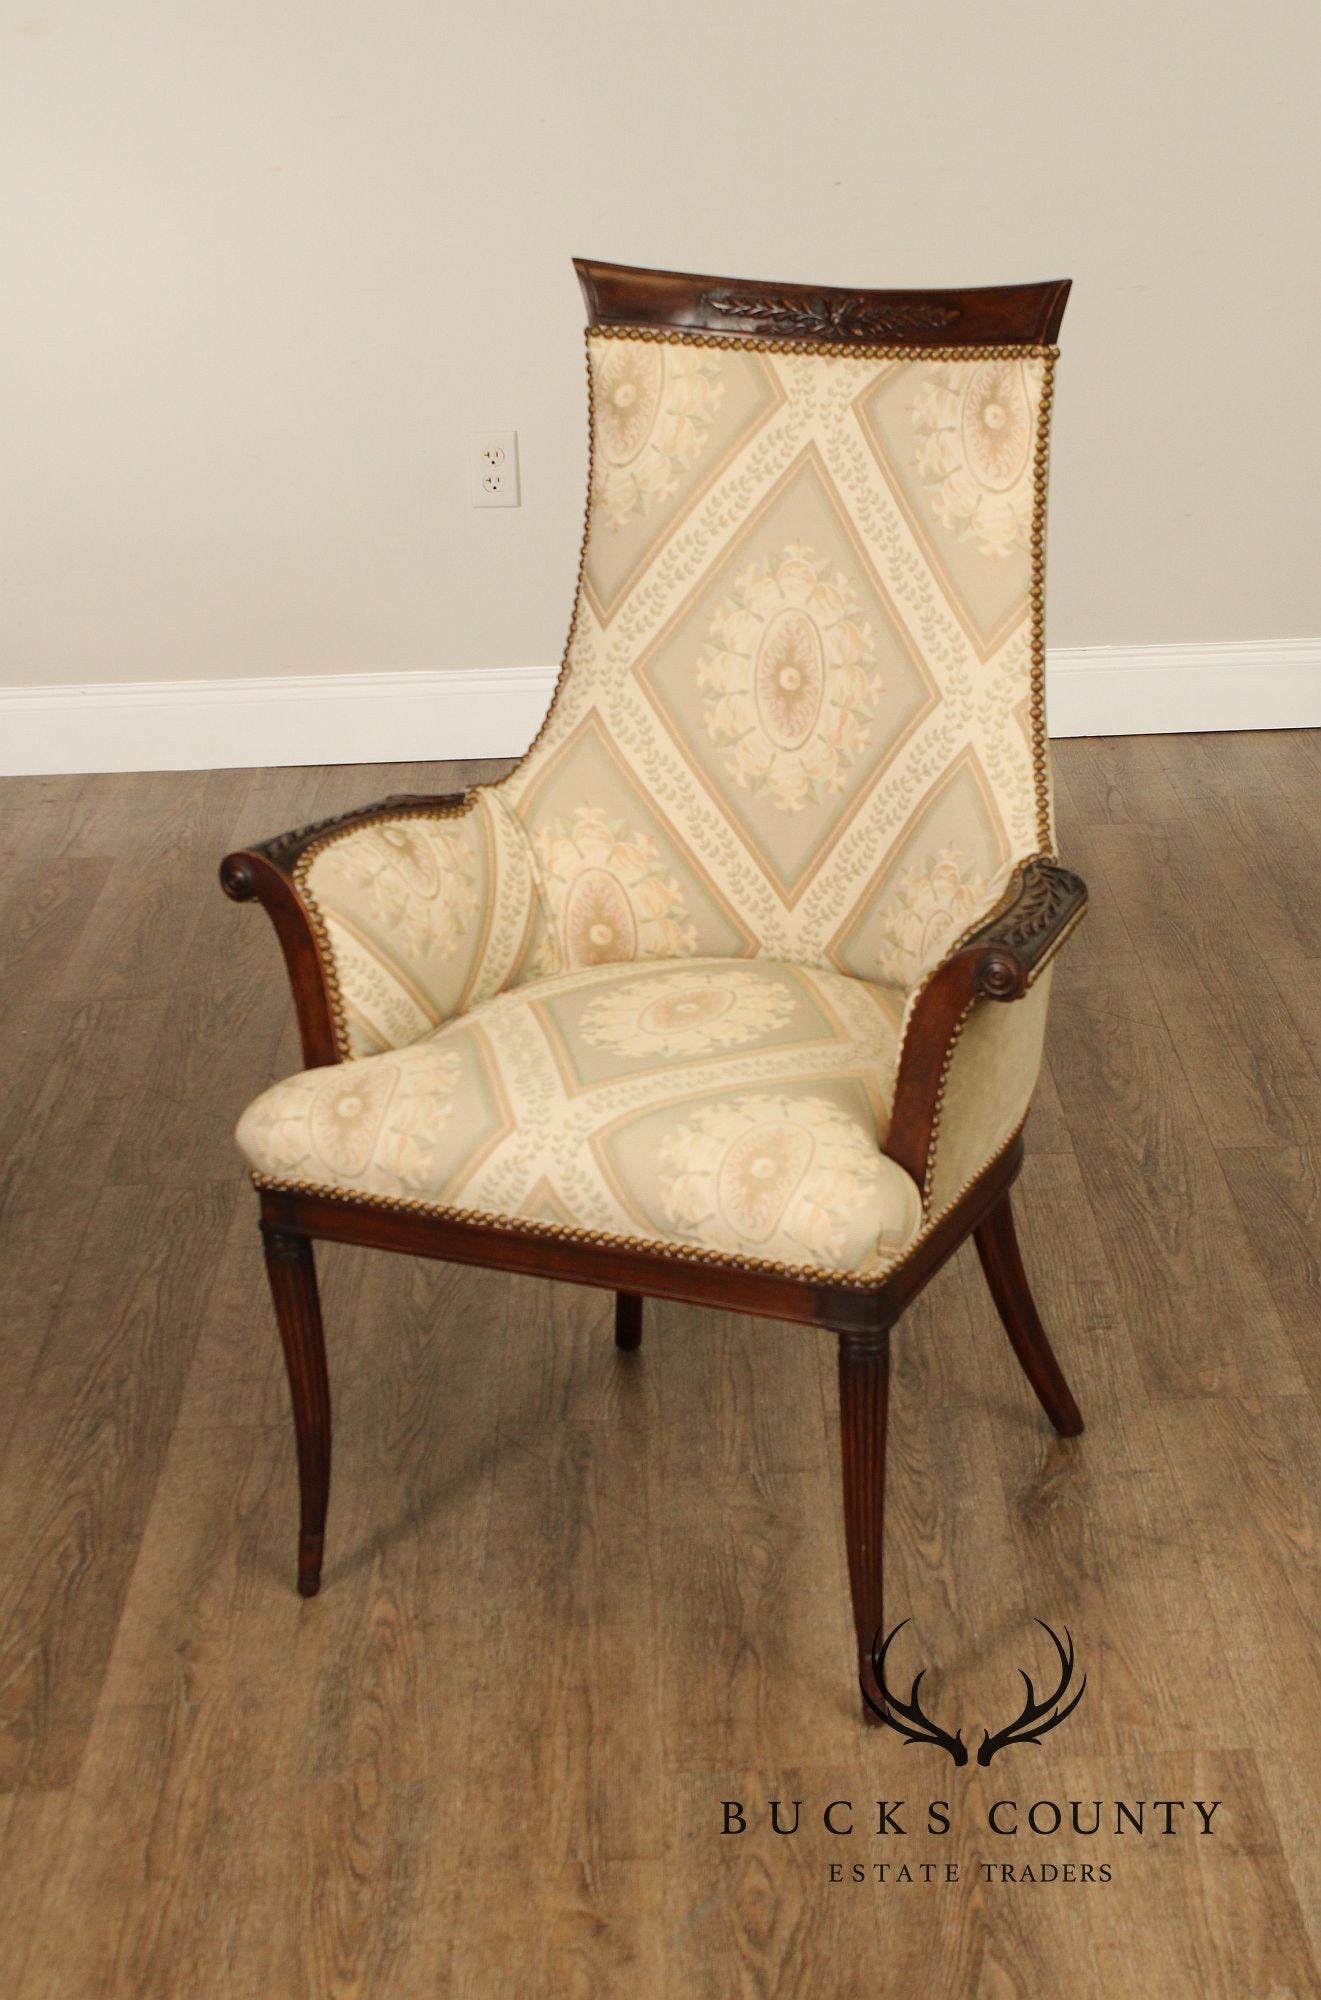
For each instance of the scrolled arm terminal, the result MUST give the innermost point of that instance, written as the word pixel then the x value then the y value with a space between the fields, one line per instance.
pixel 1014 944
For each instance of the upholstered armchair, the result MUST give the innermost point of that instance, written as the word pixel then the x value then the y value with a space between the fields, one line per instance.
pixel 733 990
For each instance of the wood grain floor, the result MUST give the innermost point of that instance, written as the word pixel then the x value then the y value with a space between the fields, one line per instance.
pixel 574 1600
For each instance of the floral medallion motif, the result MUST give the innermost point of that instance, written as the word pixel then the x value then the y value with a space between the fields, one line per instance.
pixel 611 897
pixel 790 1173
pixel 787 674
pixel 653 407
pixel 346 1117
pixel 932 904
pixel 686 1014
pixel 380 1117
pixel 976 429
pixel 419 881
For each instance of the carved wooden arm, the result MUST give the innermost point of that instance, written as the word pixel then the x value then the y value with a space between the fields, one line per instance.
pixel 998 961
pixel 264 873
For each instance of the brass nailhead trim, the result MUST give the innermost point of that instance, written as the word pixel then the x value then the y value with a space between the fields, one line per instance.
pixel 1037 597
pixel 567 1232
pixel 850 350
pixel 929 1173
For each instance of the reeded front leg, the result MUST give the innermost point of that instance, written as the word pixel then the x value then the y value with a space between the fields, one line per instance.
pixel 292 1274
pixel 628 1321
pixel 997 1246
pixel 864 1395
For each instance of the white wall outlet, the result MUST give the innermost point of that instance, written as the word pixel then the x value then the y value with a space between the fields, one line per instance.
pixel 494 457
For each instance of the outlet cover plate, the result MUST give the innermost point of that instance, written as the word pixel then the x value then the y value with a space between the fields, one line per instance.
pixel 494 457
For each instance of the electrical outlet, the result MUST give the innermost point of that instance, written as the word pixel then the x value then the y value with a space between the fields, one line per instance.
pixel 495 468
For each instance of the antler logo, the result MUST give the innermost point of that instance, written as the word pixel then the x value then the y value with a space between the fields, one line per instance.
pixel 1036 1717
pixel 1029 1726
pixel 914 1726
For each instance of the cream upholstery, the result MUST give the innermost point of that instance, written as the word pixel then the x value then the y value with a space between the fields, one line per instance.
pixel 422 917
pixel 798 726
pixel 795 712
pixel 735 1107
pixel 988 1089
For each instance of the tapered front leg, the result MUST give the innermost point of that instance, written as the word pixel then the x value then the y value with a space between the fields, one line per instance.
pixel 628 1321
pixel 997 1246
pixel 864 1395
pixel 292 1273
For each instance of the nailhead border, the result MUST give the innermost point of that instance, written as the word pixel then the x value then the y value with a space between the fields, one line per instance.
pixel 682 1253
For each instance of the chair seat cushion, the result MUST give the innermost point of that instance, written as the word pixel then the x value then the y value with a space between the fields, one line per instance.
pixel 730 1106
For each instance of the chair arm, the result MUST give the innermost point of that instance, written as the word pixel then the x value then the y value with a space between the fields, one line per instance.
pixel 999 960
pixel 265 873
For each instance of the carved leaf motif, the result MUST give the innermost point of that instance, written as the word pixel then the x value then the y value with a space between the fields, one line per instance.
pixel 832 315
pixel 1048 893
pixel 399 805
pixel 1049 896
pixel 295 837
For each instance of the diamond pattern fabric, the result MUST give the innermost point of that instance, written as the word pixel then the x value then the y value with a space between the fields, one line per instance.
pixel 796 749
pixel 734 1107
pixel 800 675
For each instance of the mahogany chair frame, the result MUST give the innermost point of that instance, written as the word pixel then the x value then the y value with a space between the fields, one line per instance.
pixel 997 963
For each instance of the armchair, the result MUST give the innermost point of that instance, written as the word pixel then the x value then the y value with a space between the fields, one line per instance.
pixel 733 990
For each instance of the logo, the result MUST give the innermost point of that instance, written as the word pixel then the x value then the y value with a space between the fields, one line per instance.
pixel 907 1719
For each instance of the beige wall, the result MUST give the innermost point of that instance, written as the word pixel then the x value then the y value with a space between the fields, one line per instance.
pixel 270 263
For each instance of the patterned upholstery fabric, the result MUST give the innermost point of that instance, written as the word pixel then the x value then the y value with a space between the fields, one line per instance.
pixel 420 918
pixel 730 1107
pixel 799 724
pixel 794 716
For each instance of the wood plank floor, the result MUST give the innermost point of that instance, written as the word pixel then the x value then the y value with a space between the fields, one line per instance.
pixel 573 1600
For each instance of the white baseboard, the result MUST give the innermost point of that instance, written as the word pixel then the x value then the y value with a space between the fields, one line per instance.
pixel 495 711
pixel 1168 690
pixel 388 718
